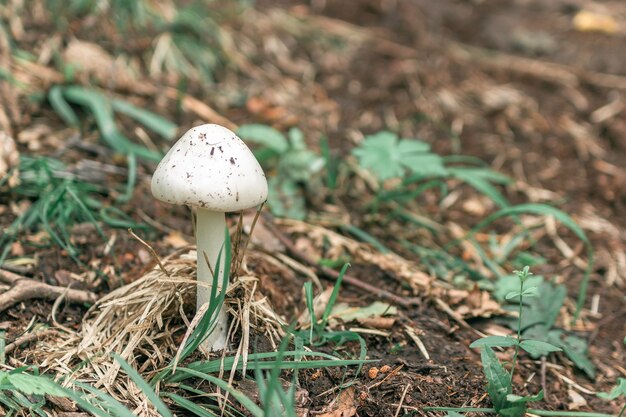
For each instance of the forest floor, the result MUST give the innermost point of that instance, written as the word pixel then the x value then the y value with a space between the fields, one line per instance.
pixel 518 85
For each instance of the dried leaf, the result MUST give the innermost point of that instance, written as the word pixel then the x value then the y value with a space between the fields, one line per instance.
pixel 576 400
pixel 479 304
pixel 345 405
pixel 376 309
pixel 588 21
pixel 175 240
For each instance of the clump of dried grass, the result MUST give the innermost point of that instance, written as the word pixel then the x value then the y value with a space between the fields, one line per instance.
pixel 146 321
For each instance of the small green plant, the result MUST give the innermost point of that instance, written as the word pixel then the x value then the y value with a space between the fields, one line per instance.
pixel 20 391
pixel 499 380
pixel 61 200
pixel 540 315
pixel 412 161
pixel 290 165
pixel 388 157
pixel 419 169
pixel 318 334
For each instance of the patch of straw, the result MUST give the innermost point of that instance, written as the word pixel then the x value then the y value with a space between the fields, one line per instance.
pixel 145 322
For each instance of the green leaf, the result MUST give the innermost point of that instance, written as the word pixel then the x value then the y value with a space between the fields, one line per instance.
pixel 152 121
pixel 426 165
pixel 102 110
pixel 376 309
pixel 530 292
pixel 264 135
pixel 512 294
pixel 38 385
pixel 299 165
pixel 494 341
pixel 387 157
pixel 62 107
pixel 498 380
pixel 618 390
pixel 540 311
pixel 538 348
pixel 509 283
pixel 413 146
pixel 481 180
pixel 526 398
pixel 575 349
pixel 453 414
pixel 296 139
pixel 379 153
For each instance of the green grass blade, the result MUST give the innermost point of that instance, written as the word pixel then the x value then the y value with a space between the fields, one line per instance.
pixel 144 387
pixel 333 296
pixel 308 295
pixel 363 236
pixel 131 161
pixel 190 405
pixel 152 121
pixel 106 401
pixel 216 300
pixel 249 405
pixel 266 360
pixel 548 413
pixel 481 179
pixel 86 212
pixel 461 409
pixel 103 113
pixel 62 107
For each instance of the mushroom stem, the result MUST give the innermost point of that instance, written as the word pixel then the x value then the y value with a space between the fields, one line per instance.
pixel 210 226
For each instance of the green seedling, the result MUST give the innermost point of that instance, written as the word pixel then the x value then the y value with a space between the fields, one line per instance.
pixel 291 167
pixel 318 333
pixel 499 380
pixel 540 315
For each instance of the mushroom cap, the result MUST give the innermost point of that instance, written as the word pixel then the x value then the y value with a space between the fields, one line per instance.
pixel 212 168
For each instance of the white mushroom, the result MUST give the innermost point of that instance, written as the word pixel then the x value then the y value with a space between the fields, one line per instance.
pixel 213 170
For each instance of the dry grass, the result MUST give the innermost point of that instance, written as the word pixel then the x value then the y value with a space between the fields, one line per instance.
pixel 146 322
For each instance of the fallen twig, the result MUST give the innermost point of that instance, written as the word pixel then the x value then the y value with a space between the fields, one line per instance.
pixel 23 288
pixel 27 338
